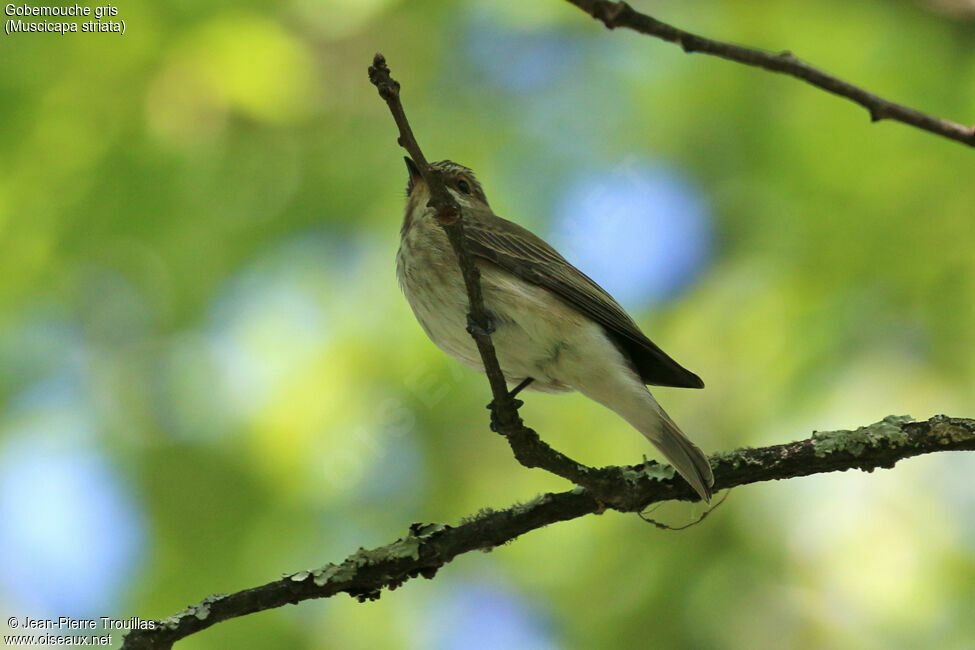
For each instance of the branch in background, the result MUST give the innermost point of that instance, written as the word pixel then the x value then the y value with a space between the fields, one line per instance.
pixel 620 14
pixel 427 547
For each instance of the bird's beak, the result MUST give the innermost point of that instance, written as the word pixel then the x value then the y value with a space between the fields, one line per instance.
pixel 414 173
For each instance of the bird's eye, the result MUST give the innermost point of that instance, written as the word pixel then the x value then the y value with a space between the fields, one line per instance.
pixel 464 186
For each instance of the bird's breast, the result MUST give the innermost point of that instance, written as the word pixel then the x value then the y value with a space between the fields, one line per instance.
pixel 536 334
pixel 432 283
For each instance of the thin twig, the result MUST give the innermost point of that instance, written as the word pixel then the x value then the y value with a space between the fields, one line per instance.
pixel 449 214
pixel 620 14
pixel 427 547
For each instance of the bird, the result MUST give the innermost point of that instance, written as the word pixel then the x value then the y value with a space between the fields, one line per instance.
pixel 555 329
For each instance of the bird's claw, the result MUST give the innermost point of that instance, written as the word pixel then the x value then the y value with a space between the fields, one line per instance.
pixel 474 329
pixel 495 422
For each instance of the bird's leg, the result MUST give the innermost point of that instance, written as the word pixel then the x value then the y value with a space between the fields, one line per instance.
pixel 511 395
pixel 520 387
pixel 476 330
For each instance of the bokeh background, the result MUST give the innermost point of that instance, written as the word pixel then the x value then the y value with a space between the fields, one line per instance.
pixel 208 376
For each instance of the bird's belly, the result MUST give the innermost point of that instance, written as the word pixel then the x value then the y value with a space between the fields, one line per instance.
pixel 535 333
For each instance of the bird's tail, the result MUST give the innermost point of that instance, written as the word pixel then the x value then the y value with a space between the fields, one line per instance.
pixel 631 399
pixel 689 461
pixel 607 377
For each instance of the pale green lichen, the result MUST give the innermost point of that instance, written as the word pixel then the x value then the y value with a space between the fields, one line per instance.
pixel 200 611
pixel 483 513
pixel 632 475
pixel 333 571
pixel 301 576
pixel 203 609
pixel 521 508
pixel 408 546
pixel 656 472
pixel 888 431
pixel 171 622
pixel 736 458
pixel 428 530
pixel 946 432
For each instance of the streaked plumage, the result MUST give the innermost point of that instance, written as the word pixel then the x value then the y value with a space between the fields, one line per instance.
pixel 552 322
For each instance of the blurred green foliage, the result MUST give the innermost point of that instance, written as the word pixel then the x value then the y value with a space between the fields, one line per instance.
pixel 198 222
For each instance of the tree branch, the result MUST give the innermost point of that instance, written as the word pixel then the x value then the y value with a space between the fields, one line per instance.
pixel 427 547
pixel 620 14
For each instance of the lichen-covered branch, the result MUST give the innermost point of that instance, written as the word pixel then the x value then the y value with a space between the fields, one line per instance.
pixel 427 547
pixel 620 14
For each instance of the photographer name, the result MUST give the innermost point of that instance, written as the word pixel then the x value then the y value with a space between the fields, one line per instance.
pixel 68 623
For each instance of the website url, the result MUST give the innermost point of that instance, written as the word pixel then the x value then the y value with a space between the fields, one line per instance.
pixel 56 640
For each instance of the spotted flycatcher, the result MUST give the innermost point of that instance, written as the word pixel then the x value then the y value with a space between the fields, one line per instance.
pixel 554 328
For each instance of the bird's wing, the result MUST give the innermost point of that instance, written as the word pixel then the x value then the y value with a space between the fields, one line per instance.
pixel 521 253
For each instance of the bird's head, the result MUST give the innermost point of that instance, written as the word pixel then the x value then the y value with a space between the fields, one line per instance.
pixel 460 182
